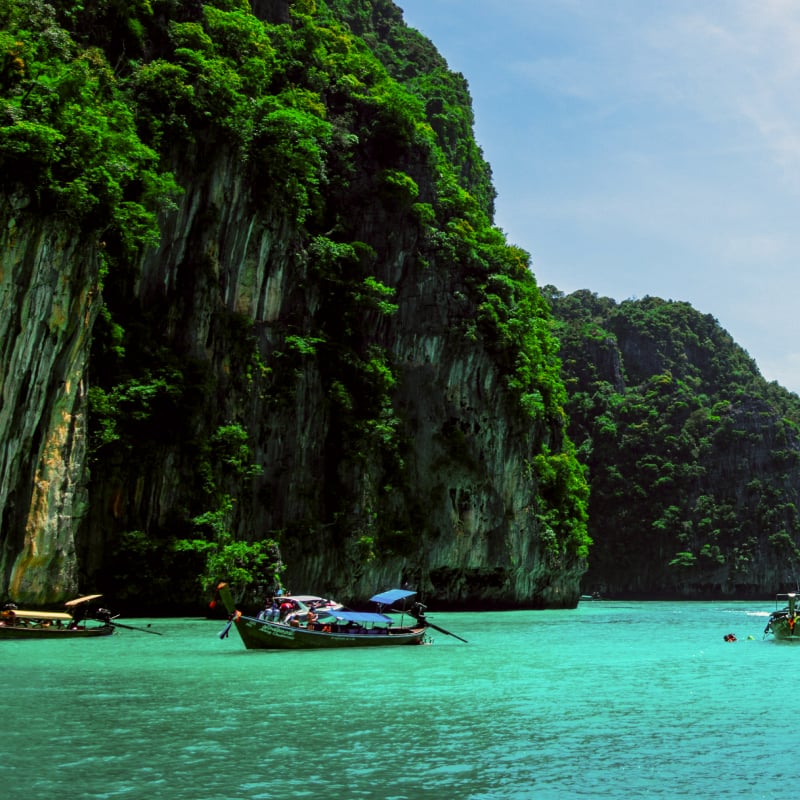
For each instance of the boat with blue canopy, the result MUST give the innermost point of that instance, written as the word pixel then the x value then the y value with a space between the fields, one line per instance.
pixel 305 627
pixel 392 596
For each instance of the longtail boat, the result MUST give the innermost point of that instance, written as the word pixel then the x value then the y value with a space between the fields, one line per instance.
pixel 784 623
pixel 75 623
pixel 332 626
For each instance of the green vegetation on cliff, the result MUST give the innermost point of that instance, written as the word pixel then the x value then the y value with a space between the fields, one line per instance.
pixel 693 456
pixel 68 134
pixel 355 144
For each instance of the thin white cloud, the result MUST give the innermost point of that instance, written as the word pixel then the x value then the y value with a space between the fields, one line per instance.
pixel 745 64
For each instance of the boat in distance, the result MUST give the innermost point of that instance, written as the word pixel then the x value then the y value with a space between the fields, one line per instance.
pixel 74 623
pixel 77 622
pixel 328 626
pixel 784 623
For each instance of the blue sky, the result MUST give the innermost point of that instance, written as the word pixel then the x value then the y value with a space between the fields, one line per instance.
pixel 645 147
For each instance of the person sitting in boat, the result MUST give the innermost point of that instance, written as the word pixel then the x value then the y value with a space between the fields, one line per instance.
pixel 286 607
pixel 8 617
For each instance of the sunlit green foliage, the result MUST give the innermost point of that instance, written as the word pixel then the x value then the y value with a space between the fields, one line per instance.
pixel 225 464
pixel 68 134
pixel 140 404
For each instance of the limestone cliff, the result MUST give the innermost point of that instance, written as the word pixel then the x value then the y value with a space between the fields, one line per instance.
pixel 48 299
pixel 330 359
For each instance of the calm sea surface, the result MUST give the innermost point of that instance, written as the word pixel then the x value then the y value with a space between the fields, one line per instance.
pixel 612 700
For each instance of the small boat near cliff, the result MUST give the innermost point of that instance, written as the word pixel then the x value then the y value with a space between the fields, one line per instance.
pixel 331 626
pixel 784 623
pixel 75 623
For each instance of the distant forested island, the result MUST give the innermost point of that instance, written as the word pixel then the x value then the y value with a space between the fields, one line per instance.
pixel 692 455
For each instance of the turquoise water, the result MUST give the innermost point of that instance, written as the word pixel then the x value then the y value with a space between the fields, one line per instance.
pixel 612 700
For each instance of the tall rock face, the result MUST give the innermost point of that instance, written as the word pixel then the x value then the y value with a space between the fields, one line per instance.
pixel 330 370
pixel 432 485
pixel 49 298
pixel 694 459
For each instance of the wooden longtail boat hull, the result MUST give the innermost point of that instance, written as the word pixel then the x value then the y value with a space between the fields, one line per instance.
pixel 18 623
pixel 20 632
pixel 263 635
pixel 341 628
pixel 782 632
pixel 784 624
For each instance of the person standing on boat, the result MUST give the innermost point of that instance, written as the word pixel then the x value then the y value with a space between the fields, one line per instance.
pixel 77 617
pixel 311 620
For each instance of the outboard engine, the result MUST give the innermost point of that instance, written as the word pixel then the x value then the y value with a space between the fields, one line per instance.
pixel 103 615
pixel 418 612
